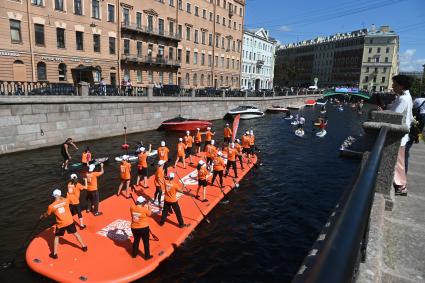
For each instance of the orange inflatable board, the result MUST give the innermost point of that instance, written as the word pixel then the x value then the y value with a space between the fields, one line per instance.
pixel 109 238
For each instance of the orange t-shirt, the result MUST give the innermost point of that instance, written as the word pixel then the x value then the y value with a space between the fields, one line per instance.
pixel 251 140
pixel 73 194
pixel 227 132
pixel 125 170
pixel 218 164
pixel 170 192
pixel 198 137
pixel 163 153
pixel 180 149
pixel 246 142
pixel 211 151
pixel 202 173
pixel 92 180
pixel 231 154
pixel 159 178
pixel 139 216
pixel 143 156
pixel 188 140
pixel 238 148
pixel 84 158
pixel 208 136
pixel 61 210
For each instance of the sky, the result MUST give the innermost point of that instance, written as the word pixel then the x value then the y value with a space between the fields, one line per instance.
pixel 291 21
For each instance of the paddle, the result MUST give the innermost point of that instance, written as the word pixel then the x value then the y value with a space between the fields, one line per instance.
pixel 8 264
pixel 125 146
pixel 155 238
pixel 187 190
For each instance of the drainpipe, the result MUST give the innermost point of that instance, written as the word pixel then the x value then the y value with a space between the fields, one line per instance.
pixel 30 40
pixel 119 41
pixel 213 47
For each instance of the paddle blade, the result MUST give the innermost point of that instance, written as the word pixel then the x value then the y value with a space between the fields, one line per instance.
pixel 235 126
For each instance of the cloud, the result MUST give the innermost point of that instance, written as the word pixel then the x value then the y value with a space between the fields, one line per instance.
pixel 285 28
pixel 409 63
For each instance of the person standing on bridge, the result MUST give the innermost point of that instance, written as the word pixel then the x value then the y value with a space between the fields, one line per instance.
pixel 403 104
pixel 65 152
pixel 64 222
pixel 140 226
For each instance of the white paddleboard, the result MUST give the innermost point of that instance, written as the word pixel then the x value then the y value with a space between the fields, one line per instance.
pixel 321 134
pixel 134 157
pixel 299 133
pixel 288 118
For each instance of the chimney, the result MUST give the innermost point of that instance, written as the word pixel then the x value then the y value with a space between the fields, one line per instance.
pixel 385 28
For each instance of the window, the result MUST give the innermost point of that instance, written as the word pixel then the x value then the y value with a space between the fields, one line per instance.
pixel 204 13
pixel 386 59
pixel 139 76
pixel 79 40
pixel 171 2
pixel 370 50
pixel 78 8
pixel 216 61
pixel 202 59
pixel 171 53
pixel 95 13
pixel 150 49
pixel 384 70
pixel 188 7
pixel 196 36
pixel 171 28
pixel 179 55
pixel 161 26
pixel 202 79
pixel 15 31
pixel 227 63
pixel 218 19
pixel 368 59
pixel 195 79
pixel 383 80
pixel 187 57
pixel 161 77
pixel 180 32
pixel 374 79
pixel 139 48
pixel 203 39
pixel 209 60
pixel 150 23
pixel 62 72
pixel 59 5
pixel 187 33
pixel 170 78
pixel 60 37
pixel 379 50
pixel 138 20
pixel 210 39
pixel 126 16
pixel 377 59
pixel 37 2
pixel 367 69
pixel 211 17
pixel 39 34
pixel 111 13
pixel 222 62
pixel 195 58
pixel 187 79
pixel 150 76
pixel 160 51
pixel 41 71
pixel 217 40
pixel 126 46
pixel 112 45
pixel 376 70
pixel 96 42
pixel 180 4
pixel 197 11
pixel 224 21
pixel 387 50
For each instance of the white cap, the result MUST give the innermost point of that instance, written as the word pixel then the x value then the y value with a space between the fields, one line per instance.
pixel 238 140
pixel 142 149
pixel 74 176
pixel 201 162
pixel 227 124
pixel 212 142
pixel 247 132
pixel 219 153
pixel 180 139
pixel 232 144
pixel 171 175
pixel 91 167
pixel 56 193
pixel 161 162
pixel 251 132
pixel 125 157
pixel 163 143
pixel 208 128
pixel 198 129
pixel 187 132
pixel 140 199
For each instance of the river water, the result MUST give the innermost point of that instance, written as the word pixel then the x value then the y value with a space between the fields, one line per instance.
pixel 262 234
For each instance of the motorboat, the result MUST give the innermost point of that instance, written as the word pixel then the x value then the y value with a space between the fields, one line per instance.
pixel 310 102
pixel 182 124
pixel 277 109
pixel 246 112
pixel 321 101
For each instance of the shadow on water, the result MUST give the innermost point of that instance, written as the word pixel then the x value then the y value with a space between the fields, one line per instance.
pixel 262 234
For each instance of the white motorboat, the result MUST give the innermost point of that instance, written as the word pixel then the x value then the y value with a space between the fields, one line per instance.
pixel 246 112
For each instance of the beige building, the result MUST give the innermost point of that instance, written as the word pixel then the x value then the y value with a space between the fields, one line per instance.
pixel 364 58
pixel 194 43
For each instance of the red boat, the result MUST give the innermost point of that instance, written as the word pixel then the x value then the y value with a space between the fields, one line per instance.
pixel 310 102
pixel 183 124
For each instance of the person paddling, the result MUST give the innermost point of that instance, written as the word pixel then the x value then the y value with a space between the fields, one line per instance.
pixel 140 226
pixel 210 153
pixel 142 166
pixel 231 160
pixel 65 152
pixel 86 157
pixel 125 173
pixel 159 182
pixel 73 196
pixel 218 169
pixel 251 142
pixel 202 180
pixel 238 148
pixel 188 141
pixel 181 152
pixel 208 137
pixel 163 155
pixel 198 141
pixel 170 201
pixel 322 125
pixel 227 134
pixel 246 145
pixel 64 221
pixel 92 190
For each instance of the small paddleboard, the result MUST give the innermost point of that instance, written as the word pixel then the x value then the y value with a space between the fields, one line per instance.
pixel 132 157
pixel 288 118
pixel 299 133
pixel 96 162
pixel 321 134
pixel 294 123
pixel 340 109
pixel 323 112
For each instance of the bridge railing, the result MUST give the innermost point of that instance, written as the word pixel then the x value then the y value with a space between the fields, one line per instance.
pixel 341 245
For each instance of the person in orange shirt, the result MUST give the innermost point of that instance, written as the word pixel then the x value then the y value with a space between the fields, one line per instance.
pixel 198 141
pixel 140 226
pixel 125 172
pixel 170 201
pixel 159 182
pixel 227 134
pixel 64 221
pixel 246 145
pixel 210 153
pixel 231 159
pixel 202 179
pixel 86 157
pixel 218 169
pixel 142 166
pixel 239 152
pixel 73 195
pixel 208 137
pixel 92 190
pixel 188 141
pixel 252 142
pixel 181 152
pixel 163 155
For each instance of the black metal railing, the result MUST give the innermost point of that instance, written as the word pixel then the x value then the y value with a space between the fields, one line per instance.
pixel 36 88
pixel 112 90
pixel 342 243
pixel 150 30
pixel 208 92
pixel 151 60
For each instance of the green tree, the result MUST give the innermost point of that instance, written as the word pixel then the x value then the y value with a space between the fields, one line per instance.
pixel 417 88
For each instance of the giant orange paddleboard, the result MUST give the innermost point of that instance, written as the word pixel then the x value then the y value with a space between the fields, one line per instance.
pixel 109 237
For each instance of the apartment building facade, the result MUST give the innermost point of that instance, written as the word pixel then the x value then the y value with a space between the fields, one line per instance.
pixel 364 58
pixel 258 59
pixel 191 43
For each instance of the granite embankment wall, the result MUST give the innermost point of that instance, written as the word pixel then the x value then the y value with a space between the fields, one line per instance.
pixel 34 122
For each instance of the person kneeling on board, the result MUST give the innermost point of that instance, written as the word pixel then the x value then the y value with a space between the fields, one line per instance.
pixel 170 201
pixel 73 195
pixel 140 226
pixel 159 182
pixel 202 179
pixel 231 159
pixel 64 221
pixel 218 169
pixel 92 191
pixel 125 172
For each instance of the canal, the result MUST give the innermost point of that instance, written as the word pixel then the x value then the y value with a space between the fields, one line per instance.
pixel 262 234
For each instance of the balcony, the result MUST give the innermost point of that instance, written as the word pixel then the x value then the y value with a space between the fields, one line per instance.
pixel 150 31
pixel 150 60
pixel 260 63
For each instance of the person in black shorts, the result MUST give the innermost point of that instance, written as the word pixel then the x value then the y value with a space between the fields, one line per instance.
pixel 65 152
